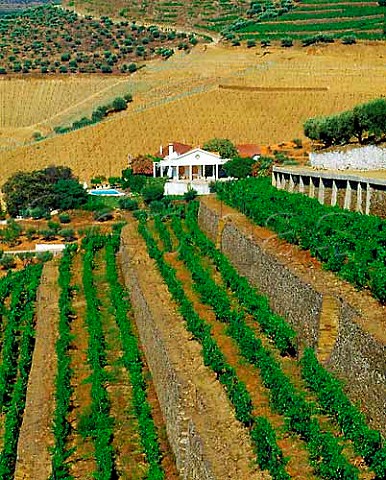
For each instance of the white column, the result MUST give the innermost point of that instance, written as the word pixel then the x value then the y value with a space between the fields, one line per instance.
pixel 291 184
pixel 359 198
pixel 311 192
pixel 278 181
pixel 368 199
pixel 334 194
pixel 190 173
pixel 162 171
pixel 321 191
pixel 274 179
pixel 154 174
pixel 347 197
pixel 301 185
pixel 216 174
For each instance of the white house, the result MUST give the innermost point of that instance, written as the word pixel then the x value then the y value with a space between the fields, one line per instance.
pixel 193 169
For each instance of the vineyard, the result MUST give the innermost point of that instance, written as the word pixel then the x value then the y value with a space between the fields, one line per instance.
pixel 349 244
pixel 101 413
pixel 300 422
pixel 319 21
pixel 180 100
pixel 257 18
pixel 18 294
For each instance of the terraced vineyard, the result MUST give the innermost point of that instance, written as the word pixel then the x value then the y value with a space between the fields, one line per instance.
pixel 103 424
pixel 331 18
pixel 300 422
pixel 257 19
pixel 96 419
pixel 17 294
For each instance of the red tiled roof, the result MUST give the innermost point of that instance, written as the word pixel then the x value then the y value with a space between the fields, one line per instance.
pixel 180 148
pixel 248 150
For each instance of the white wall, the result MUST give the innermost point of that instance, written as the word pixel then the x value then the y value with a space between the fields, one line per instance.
pixel 363 158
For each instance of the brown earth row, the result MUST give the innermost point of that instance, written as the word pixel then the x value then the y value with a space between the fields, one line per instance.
pixel 33 457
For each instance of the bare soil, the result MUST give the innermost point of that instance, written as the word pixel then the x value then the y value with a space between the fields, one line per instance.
pixel 33 457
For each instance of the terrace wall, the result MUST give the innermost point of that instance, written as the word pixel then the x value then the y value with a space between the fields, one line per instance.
pixel 347 328
pixel 207 441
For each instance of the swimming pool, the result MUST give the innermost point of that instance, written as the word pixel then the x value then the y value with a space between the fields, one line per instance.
pixel 106 191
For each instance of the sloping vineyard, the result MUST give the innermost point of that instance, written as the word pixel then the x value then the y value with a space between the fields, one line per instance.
pixel 301 423
pixel 18 294
pixel 115 419
pixel 348 243
pixel 324 18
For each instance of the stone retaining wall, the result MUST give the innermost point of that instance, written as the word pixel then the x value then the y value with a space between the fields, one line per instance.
pixel 362 158
pixel 352 345
pixel 207 441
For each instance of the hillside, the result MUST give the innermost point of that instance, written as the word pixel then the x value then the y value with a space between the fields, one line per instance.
pixel 266 100
pixel 15 6
pixel 49 39
pixel 335 18
pixel 253 19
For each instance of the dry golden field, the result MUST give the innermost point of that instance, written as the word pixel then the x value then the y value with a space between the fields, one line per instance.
pixel 184 99
pixel 28 105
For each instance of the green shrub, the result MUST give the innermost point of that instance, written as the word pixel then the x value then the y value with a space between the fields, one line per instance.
pixel 128 204
pixel 64 218
pixel 287 42
pixel 153 191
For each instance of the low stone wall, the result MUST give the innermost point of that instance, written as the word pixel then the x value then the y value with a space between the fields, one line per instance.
pixel 207 441
pixel 347 328
pixel 362 158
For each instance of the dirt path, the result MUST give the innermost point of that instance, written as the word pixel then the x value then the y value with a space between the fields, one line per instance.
pixel 34 461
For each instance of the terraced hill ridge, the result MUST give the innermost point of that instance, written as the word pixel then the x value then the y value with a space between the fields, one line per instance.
pixel 335 18
pixel 252 19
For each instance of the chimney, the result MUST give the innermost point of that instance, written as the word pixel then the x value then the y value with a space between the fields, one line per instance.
pixel 171 150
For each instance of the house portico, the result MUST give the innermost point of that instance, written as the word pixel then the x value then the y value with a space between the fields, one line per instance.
pixel 197 164
pixel 195 169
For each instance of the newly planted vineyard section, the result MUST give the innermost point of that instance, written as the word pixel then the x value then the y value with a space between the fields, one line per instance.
pixel 328 440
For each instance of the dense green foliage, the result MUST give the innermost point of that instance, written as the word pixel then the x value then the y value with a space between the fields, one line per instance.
pixel 239 167
pixel 61 425
pixel 364 122
pixel 50 39
pixel 46 190
pixel 17 352
pixel 224 147
pixel 264 439
pixel 97 115
pixel 325 451
pixel 351 244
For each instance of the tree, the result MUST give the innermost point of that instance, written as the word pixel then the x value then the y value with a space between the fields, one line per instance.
pixel 239 167
pixel 223 146
pixel 69 193
pixel 153 191
pixel 119 104
pixel 42 190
